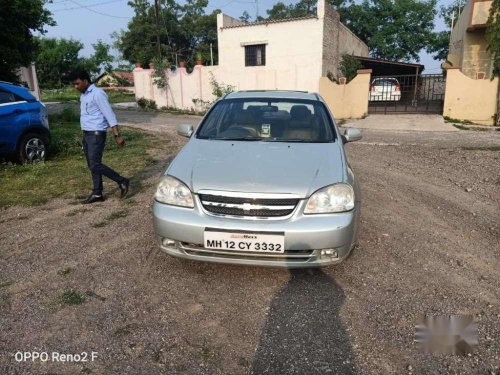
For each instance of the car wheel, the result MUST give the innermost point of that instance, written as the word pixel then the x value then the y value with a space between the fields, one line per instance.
pixel 32 148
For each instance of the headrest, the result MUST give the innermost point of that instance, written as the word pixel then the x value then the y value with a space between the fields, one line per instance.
pixel 243 117
pixel 300 112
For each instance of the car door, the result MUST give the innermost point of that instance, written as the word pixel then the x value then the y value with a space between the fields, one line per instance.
pixel 13 119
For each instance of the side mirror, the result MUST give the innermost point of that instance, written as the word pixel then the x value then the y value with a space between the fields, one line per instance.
pixel 185 130
pixel 352 135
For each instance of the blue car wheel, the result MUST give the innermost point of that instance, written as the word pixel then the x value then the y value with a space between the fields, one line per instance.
pixel 32 148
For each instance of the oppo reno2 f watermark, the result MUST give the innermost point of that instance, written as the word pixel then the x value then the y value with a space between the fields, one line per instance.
pixel 34 356
pixel 447 334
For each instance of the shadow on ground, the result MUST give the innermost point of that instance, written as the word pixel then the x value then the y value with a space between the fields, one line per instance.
pixel 303 333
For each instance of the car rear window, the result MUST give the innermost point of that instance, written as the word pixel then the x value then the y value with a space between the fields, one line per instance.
pixel 273 120
pixel 385 82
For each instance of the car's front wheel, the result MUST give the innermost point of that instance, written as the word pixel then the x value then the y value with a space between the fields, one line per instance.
pixel 32 148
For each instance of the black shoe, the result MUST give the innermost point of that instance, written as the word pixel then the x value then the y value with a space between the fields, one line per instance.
pixel 124 188
pixel 92 198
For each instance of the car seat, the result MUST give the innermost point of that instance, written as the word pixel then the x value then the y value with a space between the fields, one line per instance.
pixel 301 124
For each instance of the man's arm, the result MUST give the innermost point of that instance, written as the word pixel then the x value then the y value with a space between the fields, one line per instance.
pixel 102 102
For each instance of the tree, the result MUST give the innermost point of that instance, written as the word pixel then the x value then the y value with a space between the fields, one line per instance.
pixel 185 31
pixel 245 17
pixel 392 29
pixel 301 9
pixel 439 45
pixel 102 59
pixel 439 42
pixel 493 36
pixel 57 57
pixel 19 19
pixel 137 44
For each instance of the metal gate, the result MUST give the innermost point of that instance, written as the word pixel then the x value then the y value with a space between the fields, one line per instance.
pixel 407 94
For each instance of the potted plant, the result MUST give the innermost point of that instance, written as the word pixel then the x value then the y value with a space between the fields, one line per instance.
pixel 199 59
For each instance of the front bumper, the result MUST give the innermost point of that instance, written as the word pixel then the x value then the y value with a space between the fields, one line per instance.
pixel 305 236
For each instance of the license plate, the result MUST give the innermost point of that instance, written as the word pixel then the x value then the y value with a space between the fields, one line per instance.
pixel 245 241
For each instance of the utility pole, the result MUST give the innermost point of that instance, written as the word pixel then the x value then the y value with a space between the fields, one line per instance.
pixel 256 9
pixel 452 23
pixel 211 55
pixel 157 17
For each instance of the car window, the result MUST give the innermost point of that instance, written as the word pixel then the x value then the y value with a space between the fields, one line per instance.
pixel 6 97
pixel 385 82
pixel 273 120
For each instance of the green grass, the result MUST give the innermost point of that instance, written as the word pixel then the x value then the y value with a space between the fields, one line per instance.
pixel 72 297
pixel 457 121
pixel 65 173
pixel 67 94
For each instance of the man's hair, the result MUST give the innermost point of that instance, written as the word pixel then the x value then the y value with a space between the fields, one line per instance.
pixel 79 74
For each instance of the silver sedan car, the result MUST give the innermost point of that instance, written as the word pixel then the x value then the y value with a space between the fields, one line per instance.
pixel 263 180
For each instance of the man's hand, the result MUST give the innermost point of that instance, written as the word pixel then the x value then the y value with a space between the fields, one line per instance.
pixel 119 141
pixel 118 138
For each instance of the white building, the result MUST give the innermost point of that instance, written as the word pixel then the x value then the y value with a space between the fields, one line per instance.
pixel 289 54
pixel 27 75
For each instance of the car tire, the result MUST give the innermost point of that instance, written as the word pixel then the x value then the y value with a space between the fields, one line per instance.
pixel 32 148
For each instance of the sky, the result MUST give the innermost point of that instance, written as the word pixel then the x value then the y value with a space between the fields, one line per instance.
pixel 91 20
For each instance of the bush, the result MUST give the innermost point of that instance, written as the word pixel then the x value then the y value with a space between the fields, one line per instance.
pixel 220 89
pixel 68 114
pixel 181 111
pixel 146 103
pixel 349 66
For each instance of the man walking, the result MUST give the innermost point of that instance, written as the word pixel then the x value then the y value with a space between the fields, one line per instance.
pixel 96 116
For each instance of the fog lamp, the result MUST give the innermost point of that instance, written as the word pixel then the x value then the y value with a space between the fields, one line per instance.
pixel 167 242
pixel 329 252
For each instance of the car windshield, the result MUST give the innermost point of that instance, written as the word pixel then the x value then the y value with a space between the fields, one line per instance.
pixel 270 120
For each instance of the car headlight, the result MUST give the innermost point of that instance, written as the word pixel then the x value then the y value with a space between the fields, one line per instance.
pixel 333 198
pixel 174 192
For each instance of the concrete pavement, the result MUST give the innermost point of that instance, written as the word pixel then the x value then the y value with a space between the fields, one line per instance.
pixel 402 122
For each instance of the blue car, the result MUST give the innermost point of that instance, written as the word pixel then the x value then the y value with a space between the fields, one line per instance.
pixel 24 125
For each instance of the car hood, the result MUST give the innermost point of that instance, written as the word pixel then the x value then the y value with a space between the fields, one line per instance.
pixel 258 167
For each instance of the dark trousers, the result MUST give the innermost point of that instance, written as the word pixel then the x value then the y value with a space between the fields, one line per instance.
pixel 93 147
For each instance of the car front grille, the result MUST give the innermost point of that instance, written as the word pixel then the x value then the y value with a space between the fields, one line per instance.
pixel 248 207
pixel 290 256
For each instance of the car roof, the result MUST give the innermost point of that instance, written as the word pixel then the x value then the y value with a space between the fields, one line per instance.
pixel 20 91
pixel 272 94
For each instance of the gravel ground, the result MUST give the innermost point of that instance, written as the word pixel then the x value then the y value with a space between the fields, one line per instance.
pixel 429 243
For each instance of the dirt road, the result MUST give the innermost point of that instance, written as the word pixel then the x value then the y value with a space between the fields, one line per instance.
pixel 429 243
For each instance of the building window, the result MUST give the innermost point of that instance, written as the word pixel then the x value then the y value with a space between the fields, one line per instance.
pixel 255 55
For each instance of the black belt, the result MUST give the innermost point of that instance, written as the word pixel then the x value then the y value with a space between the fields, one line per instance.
pixel 93 132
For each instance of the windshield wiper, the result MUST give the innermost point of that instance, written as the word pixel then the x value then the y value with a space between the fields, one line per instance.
pixel 249 138
pixel 284 140
pixel 297 140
